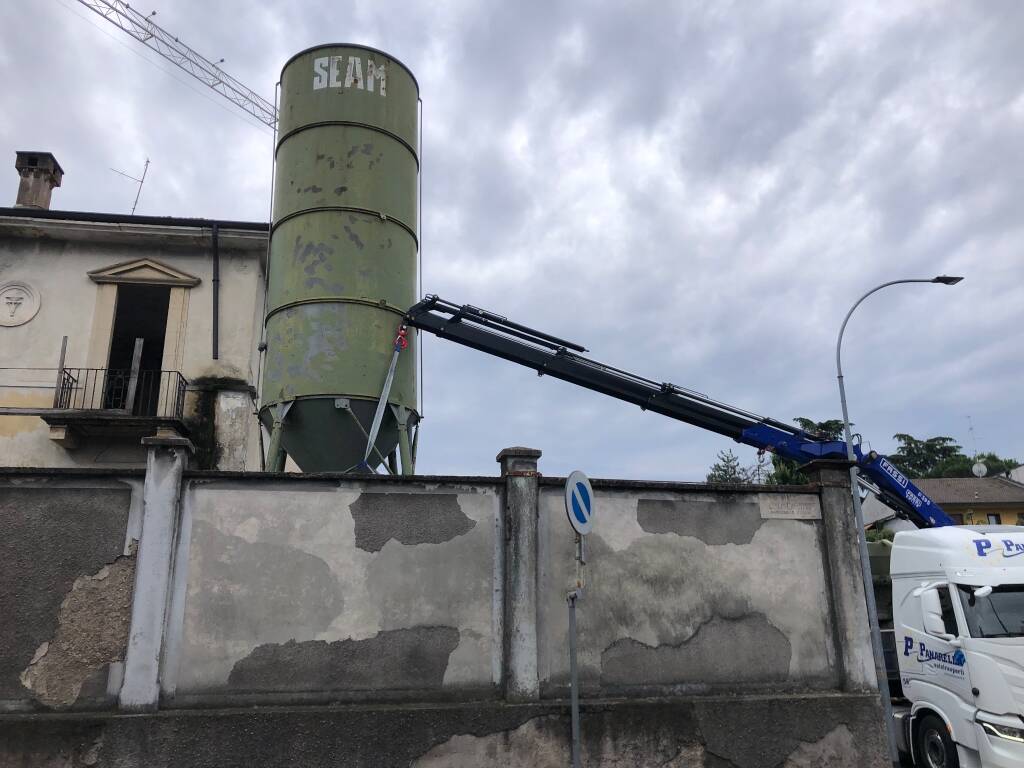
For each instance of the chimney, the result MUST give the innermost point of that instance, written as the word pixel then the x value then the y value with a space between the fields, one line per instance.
pixel 40 173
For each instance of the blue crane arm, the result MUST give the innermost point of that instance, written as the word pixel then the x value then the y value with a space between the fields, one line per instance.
pixel 551 356
pixel 892 487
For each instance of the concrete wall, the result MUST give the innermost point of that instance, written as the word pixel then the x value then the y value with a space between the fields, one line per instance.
pixel 689 591
pixel 717 627
pixel 299 588
pixel 54 258
pixel 289 578
pixel 67 565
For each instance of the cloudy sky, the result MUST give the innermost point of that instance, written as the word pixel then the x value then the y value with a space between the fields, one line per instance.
pixel 694 191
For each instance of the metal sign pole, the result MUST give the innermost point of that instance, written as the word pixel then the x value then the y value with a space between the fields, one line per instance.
pixel 573 679
pixel 579 507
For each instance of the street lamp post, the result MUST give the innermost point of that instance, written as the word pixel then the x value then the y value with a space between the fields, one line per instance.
pixel 865 566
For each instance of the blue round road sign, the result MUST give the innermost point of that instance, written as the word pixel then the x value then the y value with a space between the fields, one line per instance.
pixel 579 503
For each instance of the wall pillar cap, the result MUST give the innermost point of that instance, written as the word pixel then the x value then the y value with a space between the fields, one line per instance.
pixel 829 473
pixel 518 460
pixel 518 451
pixel 169 441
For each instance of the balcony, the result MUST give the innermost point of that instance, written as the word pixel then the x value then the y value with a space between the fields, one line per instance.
pixel 94 402
pixel 152 394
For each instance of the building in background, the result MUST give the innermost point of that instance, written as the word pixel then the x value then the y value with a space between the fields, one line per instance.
pixel 161 318
pixel 968 500
pixel 978 500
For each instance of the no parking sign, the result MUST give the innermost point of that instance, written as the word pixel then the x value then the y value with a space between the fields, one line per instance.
pixel 579 503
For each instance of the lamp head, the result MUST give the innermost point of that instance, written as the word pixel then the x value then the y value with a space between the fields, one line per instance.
pixel 947 279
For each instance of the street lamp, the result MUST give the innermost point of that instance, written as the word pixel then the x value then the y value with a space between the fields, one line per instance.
pixel 865 566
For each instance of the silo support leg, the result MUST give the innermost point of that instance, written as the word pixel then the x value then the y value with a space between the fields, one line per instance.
pixel 343 403
pixel 275 451
pixel 276 455
pixel 393 462
pixel 404 442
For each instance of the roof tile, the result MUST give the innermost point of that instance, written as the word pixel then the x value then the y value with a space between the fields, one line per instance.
pixel 972 490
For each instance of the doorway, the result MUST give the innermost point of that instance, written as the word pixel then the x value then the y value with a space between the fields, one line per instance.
pixel 141 313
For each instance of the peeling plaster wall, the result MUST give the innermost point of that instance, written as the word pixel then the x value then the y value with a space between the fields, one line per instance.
pixel 337 587
pixel 687 592
pixel 234 422
pixel 66 573
pixel 92 632
pixel 293 587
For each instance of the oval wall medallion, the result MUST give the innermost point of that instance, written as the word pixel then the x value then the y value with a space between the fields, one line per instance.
pixel 19 303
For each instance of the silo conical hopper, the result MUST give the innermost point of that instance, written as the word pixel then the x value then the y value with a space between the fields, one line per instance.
pixel 343 253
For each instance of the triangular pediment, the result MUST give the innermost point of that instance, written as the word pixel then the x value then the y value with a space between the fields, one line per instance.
pixel 146 271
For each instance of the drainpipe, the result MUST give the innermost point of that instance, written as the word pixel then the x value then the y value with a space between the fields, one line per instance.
pixel 216 290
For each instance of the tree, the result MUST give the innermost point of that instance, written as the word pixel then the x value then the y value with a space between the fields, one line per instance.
pixel 996 465
pixel 919 458
pixel 761 472
pixel 963 466
pixel 883 534
pixel 942 457
pixel 831 429
pixel 786 472
pixel 727 469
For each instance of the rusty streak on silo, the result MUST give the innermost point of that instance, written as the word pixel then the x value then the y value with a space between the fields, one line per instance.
pixel 343 254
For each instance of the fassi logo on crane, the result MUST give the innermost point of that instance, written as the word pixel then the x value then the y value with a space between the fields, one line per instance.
pixel 327 73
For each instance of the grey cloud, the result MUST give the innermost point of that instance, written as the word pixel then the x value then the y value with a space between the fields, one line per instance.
pixel 704 190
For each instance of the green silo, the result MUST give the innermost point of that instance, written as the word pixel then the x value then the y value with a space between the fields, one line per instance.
pixel 343 258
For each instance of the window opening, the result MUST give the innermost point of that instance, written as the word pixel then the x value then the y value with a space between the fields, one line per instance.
pixel 948 617
pixel 141 313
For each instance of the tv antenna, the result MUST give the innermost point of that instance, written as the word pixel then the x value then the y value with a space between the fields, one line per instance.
pixel 979 469
pixel 140 181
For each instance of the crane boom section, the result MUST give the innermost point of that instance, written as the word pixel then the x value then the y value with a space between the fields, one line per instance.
pixel 152 35
pixel 551 356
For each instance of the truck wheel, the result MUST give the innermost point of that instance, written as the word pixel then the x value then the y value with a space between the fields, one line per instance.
pixel 934 747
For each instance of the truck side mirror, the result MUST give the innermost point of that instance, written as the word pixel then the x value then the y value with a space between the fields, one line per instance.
pixel 931 610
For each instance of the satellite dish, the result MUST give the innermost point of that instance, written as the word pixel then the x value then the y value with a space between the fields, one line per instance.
pixel 979 469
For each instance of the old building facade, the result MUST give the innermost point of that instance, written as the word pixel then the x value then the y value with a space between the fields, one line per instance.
pixel 113 328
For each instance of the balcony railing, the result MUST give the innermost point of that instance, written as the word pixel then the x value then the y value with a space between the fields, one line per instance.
pixel 156 394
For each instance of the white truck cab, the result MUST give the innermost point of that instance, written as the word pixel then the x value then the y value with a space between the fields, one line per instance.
pixel 958 625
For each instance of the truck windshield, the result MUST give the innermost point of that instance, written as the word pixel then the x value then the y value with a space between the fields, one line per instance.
pixel 1001 614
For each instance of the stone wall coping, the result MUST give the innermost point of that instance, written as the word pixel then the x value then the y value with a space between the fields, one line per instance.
pixel 58 472
pixel 611 484
pixel 310 477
